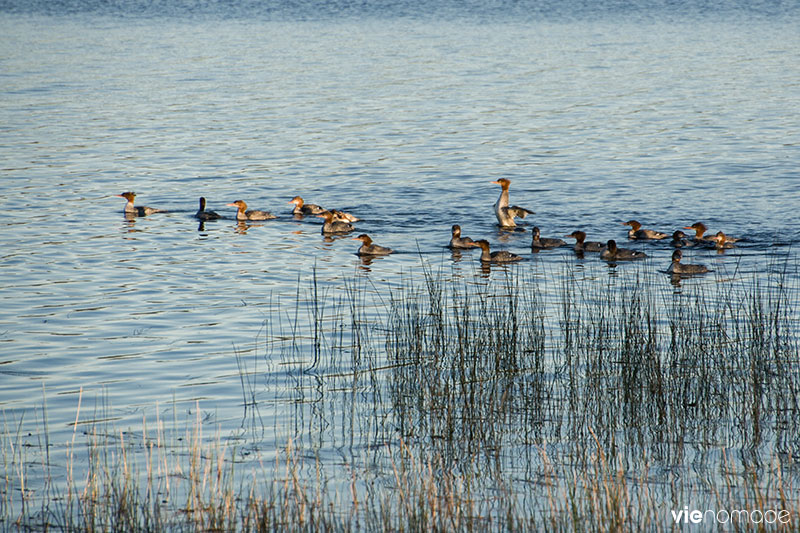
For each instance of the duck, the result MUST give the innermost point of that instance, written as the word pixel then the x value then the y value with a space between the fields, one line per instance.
pixel 302 208
pixel 637 233
pixel 137 210
pixel 539 242
pixel 342 216
pixel 678 268
pixel 243 213
pixel 204 215
pixel 505 214
pixel 679 240
pixel 331 226
pixel 612 253
pixel 581 245
pixel 722 241
pixel 457 242
pixel 367 248
pixel 700 229
pixel 500 256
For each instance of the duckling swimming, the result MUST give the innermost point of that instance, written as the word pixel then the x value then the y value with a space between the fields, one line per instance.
pixel 457 242
pixel 539 242
pixel 500 256
pixel 581 245
pixel 612 253
pixel 680 269
pixel 367 248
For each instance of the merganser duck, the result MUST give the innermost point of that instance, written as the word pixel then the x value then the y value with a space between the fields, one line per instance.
pixel 722 241
pixel 612 253
pixel 637 233
pixel 331 226
pixel 253 214
pixel 700 228
pixel 505 214
pixel 538 242
pixel 342 216
pixel 501 256
pixel 137 210
pixel 581 245
pixel 301 208
pixel 367 248
pixel 202 214
pixel 678 268
pixel 679 240
pixel 459 242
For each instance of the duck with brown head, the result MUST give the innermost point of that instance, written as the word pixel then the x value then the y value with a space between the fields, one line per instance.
pixel 242 213
pixel 500 256
pixel 637 233
pixel 582 245
pixel 302 208
pixel 699 234
pixel 680 269
pixel 722 241
pixel 368 248
pixel 699 231
pixel 137 210
pixel 331 226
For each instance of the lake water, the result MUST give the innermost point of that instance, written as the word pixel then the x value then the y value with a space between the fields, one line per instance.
pixel 401 113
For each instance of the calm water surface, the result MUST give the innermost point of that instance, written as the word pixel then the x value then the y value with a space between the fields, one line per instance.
pixel 402 120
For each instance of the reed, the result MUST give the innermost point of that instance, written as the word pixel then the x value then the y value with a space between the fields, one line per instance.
pixel 450 404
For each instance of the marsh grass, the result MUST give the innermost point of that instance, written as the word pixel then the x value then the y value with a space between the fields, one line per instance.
pixel 451 404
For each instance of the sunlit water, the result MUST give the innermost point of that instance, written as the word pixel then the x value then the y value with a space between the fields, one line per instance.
pixel 400 116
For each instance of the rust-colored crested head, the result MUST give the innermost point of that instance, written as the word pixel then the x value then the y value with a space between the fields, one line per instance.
pixel 129 195
pixel 327 215
pixel 697 226
pixel 297 201
pixel 503 182
pixel 633 224
pixel 238 203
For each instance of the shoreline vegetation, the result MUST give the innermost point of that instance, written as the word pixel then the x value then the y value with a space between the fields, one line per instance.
pixel 442 404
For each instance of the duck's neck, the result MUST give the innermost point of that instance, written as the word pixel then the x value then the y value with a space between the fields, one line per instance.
pixel 502 201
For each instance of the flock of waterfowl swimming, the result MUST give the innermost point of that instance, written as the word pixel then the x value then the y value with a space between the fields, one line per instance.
pixel 338 223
